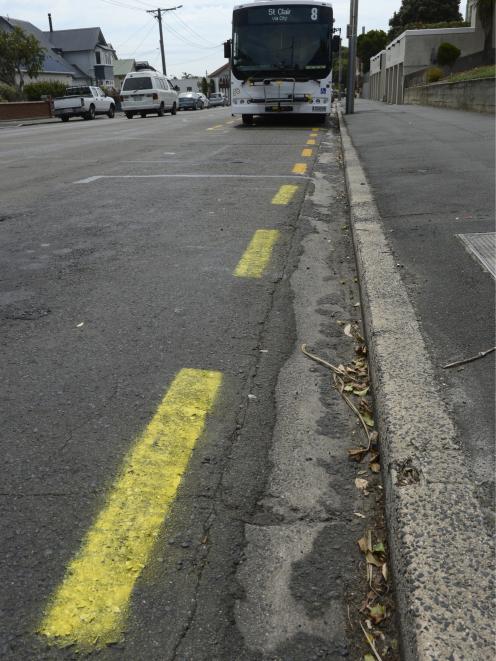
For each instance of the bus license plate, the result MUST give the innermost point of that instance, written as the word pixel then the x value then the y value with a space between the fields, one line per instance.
pixel 278 108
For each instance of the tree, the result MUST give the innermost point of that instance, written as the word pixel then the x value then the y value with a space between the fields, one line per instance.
pixel 369 44
pixel 211 86
pixel 204 86
pixel 424 11
pixel 19 53
pixel 186 75
pixel 485 12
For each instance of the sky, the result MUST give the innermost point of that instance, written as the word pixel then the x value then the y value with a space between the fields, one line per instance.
pixel 193 34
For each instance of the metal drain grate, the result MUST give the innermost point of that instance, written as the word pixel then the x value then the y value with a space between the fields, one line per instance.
pixel 483 247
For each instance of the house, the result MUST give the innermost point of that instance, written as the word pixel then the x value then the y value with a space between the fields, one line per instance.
pixel 190 84
pixel 121 69
pixel 407 58
pixel 88 51
pixel 55 67
pixel 222 79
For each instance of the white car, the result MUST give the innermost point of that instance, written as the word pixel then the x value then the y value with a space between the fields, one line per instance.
pixel 147 92
pixel 84 101
pixel 204 99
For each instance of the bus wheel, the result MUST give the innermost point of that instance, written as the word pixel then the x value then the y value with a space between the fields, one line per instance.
pixel 247 119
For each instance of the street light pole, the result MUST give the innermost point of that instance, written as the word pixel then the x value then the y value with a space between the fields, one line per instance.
pixel 352 42
pixel 157 13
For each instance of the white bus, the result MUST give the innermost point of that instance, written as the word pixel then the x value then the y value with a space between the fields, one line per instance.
pixel 281 58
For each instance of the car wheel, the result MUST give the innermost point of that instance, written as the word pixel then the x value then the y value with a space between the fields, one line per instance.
pixel 129 115
pixel 143 114
pixel 65 118
pixel 91 113
pixel 247 119
pixel 195 107
pixel 111 112
pixel 161 110
pixel 173 109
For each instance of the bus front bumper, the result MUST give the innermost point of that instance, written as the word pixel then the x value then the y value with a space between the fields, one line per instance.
pixel 284 107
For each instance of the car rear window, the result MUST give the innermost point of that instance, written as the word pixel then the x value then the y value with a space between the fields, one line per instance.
pixel 141 83
pixel 78 91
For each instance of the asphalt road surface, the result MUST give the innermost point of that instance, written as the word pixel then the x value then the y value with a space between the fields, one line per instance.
pixel 174 479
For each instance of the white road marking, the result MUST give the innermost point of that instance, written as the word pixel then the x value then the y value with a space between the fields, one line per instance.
pixel 89 180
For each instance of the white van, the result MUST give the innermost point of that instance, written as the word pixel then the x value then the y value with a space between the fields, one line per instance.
pixel 147 91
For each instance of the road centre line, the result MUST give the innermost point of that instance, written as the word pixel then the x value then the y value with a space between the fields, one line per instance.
pixel 313 135
pixel 311 142
pixel 213 128
pixel 89 607
pixel 284 195
pixel 299 168
pixel 89 180
pixel 307 153
pixel 257 256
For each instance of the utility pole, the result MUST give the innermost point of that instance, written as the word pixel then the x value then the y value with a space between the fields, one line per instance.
pixel 352 42
pixel 340 62
pixel 157 13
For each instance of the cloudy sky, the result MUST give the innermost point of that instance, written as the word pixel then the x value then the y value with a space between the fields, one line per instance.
pixel 193 34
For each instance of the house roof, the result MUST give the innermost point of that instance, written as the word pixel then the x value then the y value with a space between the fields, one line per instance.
pixel 53 62
pixel 122 67
pixel 77 39
pixel 225 68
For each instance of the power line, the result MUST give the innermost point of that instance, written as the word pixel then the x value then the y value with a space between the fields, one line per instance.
pixel 187 41
pixel 124 5
pixel 134 34
pixel 193 32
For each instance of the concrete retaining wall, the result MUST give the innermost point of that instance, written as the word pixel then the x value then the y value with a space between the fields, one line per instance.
pixel 476 95
pixel 25 110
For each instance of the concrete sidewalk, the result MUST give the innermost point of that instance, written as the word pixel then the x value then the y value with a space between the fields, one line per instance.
pixel 421 185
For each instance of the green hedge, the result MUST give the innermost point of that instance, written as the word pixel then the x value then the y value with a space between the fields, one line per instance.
pixel 34 91
pixel 9 93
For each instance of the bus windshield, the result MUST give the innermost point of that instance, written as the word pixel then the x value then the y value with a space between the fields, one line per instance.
pixel 276 40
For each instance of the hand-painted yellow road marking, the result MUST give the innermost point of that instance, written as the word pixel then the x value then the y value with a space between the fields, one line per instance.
pixel 88 608
pixel 315 129
pixel 306 153
pixel 313 135
pixel 284 195
pixel 257 255
pixel 311 142
pixel 213 128
pixel 300 168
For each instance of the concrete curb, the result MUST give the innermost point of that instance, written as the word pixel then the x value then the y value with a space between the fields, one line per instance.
pixel 441 553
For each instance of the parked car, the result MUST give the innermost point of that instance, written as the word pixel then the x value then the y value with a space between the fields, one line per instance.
pixel 190 101
pixel 83 101
pixel 217 99
pixel 147 92
pixel 204 100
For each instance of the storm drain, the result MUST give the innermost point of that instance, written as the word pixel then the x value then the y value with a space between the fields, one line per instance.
pixel 483 247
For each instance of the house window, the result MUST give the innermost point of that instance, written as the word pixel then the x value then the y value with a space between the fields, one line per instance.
pixel 97 55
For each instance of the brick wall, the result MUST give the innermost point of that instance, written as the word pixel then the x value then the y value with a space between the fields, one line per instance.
pixel 25 110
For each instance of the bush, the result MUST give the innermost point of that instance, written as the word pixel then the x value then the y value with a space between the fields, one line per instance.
pixel 447 54
pixel 434 74
pixel 34 91
pixel 8 93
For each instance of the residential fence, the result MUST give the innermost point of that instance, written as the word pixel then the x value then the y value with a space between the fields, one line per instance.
pixel 25 110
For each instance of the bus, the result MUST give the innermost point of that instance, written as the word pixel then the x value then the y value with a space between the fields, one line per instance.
pixel 281 58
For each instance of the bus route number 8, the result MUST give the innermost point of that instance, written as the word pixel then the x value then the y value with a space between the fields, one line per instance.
pixel 314 14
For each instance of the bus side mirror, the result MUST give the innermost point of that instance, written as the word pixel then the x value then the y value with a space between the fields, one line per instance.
pixel 336 43
pixel 227 49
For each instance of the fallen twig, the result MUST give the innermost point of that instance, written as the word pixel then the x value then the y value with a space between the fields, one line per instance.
pixel 321 361
pixel 481 354
pixel 369 639
pixel 340 390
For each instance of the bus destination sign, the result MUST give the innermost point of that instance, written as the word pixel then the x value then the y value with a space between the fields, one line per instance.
pixel 285 14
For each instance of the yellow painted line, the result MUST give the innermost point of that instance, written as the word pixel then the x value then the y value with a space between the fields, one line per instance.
pixel 316 130
pixel 89 607
pixel 306 153
pixel 311 142
pixel 313 135
pixel 213 128
pixel 300 168
pixel 284 195
pixel 257 255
